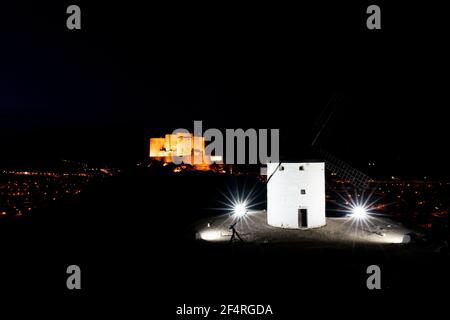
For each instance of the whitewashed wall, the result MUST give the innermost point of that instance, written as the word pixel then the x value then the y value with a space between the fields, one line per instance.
pixel 284 196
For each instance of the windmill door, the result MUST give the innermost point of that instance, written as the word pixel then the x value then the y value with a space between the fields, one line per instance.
pixel 303 218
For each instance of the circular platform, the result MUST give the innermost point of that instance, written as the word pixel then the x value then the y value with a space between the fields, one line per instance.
pixel 254 228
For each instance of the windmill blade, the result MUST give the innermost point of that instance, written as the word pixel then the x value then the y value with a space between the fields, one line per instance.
pixel 276 169
pixel 342 169
pixel 345 171
pixel 325 116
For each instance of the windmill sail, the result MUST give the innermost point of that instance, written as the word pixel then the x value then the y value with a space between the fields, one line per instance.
pixel 345 171
pixel 342 169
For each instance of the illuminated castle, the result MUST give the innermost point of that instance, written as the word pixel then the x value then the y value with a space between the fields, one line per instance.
pixel 188 149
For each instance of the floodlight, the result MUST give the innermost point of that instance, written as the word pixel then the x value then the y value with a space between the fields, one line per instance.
pixel 359 212
pixel 240 210
pixel 211 235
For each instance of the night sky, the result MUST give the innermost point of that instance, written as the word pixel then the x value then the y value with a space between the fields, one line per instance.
pixel 135 71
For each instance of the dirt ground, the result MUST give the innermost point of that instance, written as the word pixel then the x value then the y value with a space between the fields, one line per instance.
pixel 342 230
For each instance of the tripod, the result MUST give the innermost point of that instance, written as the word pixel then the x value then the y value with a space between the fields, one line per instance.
pixel 235 235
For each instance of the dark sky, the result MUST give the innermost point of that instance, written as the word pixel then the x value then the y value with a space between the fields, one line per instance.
pixel 136 70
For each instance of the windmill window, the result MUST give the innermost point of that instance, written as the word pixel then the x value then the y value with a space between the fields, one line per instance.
pixel 302 191
pixel 301 168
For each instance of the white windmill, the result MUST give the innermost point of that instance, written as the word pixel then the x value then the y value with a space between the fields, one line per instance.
pixel 296 190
